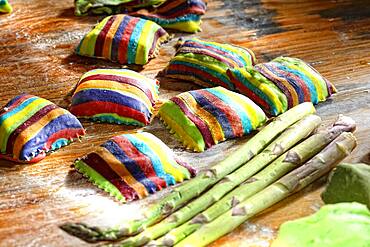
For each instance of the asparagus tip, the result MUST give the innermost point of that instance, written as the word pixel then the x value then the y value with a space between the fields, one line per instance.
pixel 346 123
pixel 89 234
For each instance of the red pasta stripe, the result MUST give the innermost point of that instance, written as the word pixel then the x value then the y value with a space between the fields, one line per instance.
pixel 62 134
pixel 125 40
pixel 101 37
pixel 16 103
pixel 34 119
pixel 121 79
pixel 232 116
pixel 141 161
pixel 98 107
pixel 200 72
pixel 202 126
pixel 98 164
pixel 246 91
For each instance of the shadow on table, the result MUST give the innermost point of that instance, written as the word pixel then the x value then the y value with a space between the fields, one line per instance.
pixel 70 14
pixel 7 164
pixel 88 63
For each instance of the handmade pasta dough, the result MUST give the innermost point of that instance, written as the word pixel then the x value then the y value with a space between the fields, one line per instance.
pixel 123 39
pixel 180 15
pixel 348 183
pixel 132 166
pixel 205 117
pixel 337 225
pixel 206 63
pixel 109 7
pixel 281 84
pixel 5 7
pixel 31 126
pixel 119 96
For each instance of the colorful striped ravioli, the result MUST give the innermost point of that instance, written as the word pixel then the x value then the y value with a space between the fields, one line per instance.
pixel 123 39
pixel 203 118
pixel 5 7
pixel 119 96
pixel 181 15
pixel 31 126
pixel 281 84
pixel 109 7
pixel 206 63
pixel 132 166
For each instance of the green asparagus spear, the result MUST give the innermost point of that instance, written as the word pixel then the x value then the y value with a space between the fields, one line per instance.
pixel 285 141
pixel 194 187
pixel 287 185
pixel 284 164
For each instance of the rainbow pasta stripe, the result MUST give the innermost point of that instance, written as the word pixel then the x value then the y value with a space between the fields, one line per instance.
pixel 132 166
pixel 31 126
pixel 262 91
pixel 123 39
pixel 180 15
pixel 119 96
pixel 205 117
pixel 5 7
pixel 109 7
pixel 281 84
pixel 206 63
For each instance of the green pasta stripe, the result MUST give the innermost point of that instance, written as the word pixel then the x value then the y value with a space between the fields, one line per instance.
pixel 181 125
pixel 5 7
pixel 98 180
pixel 108 7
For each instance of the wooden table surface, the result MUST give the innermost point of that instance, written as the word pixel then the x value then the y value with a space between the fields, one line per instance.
pixel 37 44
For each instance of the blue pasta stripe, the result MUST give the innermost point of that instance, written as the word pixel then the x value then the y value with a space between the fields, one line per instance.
pixel 211 108
pixel 157 165
pixel 39 140
pixel 246 122
pixel 256 90
pixel 134 40
pixel 214 73
pixel 118 37
pixel 307 81
pixel 93 95
pixel 17 109
pixel 130 164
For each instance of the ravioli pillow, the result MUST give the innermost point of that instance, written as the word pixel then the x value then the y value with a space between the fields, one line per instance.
pixel 119 96
pixel 258 88
pixel 180 15
pixel 205 117
pixel 281 84
pixel 206 63
pixel 123 39
pixel 31 126
pixel 109 7
pixel 5 7
pixel 132 166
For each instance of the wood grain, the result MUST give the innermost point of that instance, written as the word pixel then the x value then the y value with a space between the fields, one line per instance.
pixel 36 56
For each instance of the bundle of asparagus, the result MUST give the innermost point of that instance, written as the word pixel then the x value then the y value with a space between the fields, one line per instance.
pixel 284 164
pixel 286 140
pixel 187 191
pixel 287 185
